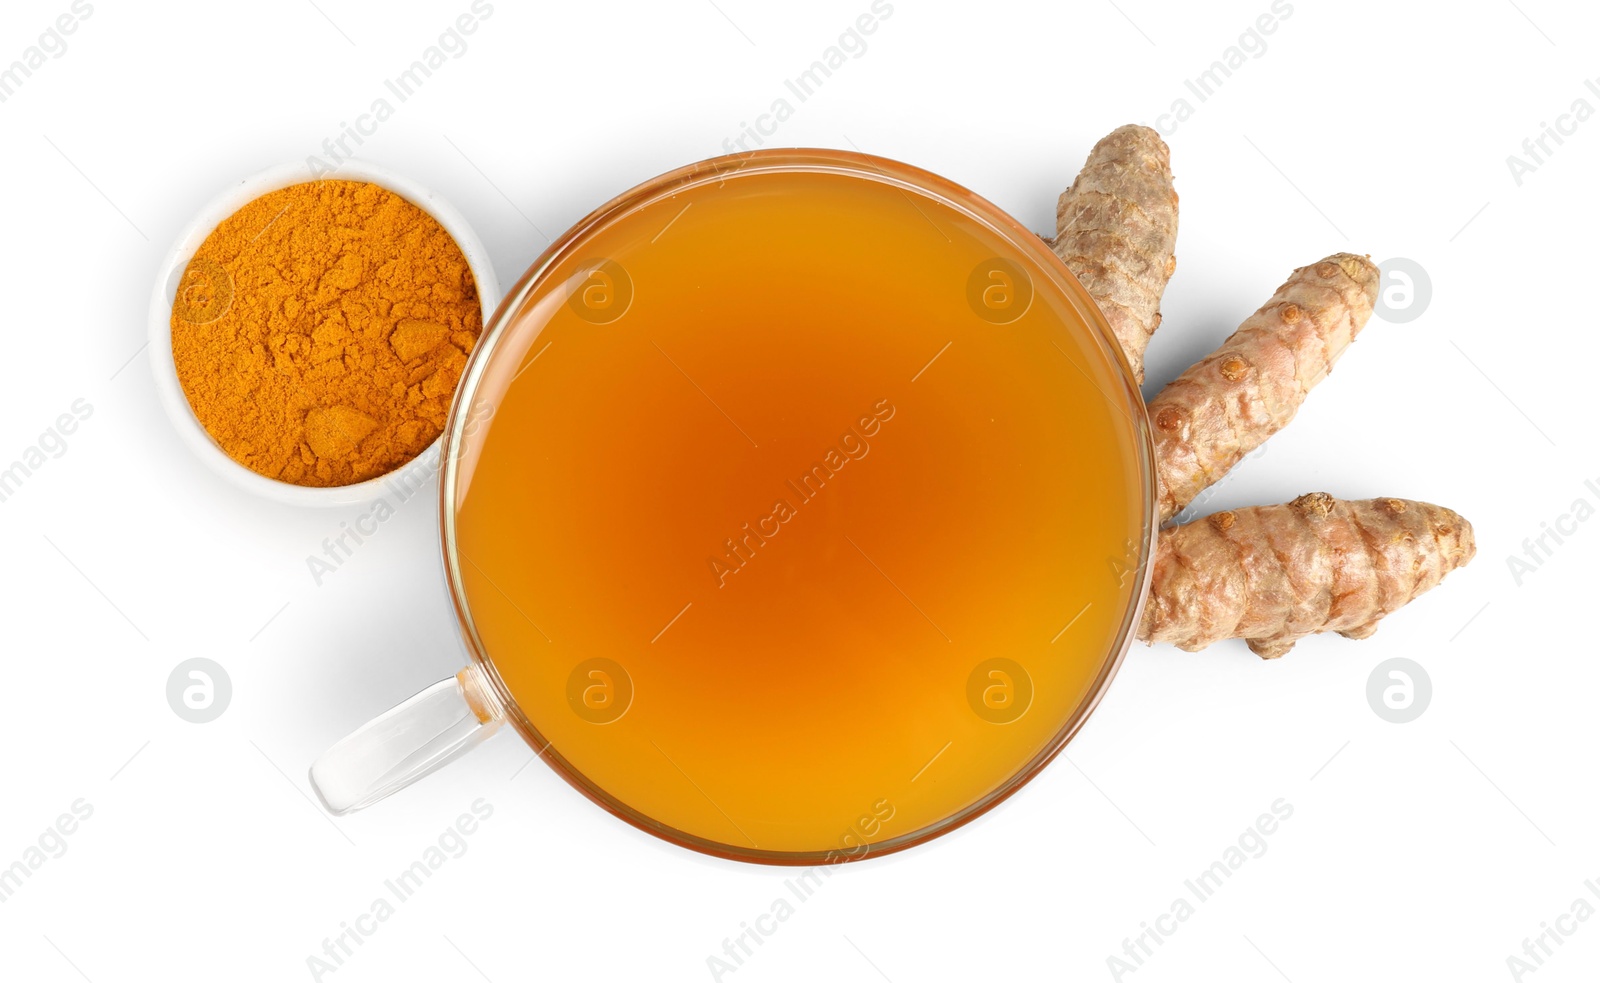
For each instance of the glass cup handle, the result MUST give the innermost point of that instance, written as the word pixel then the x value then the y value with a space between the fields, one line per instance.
pixel 391 751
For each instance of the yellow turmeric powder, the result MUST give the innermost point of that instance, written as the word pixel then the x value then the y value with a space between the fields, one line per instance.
pixel 320 330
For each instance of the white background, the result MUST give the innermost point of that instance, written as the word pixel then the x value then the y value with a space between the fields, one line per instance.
pixel 1427 850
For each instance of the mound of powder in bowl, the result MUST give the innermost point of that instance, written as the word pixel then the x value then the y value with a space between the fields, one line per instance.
pixel 320 330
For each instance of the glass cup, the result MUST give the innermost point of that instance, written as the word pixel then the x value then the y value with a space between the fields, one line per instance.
pixel 795 507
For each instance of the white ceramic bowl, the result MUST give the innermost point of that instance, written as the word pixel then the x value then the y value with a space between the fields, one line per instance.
pixel 171 271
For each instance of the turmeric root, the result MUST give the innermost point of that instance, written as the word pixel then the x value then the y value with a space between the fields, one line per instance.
pixel 1274 574
pixel 1226 405
pixel 1115 230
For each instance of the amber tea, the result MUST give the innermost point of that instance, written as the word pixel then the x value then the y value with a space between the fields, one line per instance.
pixel 808 514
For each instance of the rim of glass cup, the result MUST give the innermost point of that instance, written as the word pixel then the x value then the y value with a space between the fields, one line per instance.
pixel 804 160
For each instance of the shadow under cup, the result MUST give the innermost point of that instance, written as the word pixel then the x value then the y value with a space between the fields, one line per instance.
pixel 795 507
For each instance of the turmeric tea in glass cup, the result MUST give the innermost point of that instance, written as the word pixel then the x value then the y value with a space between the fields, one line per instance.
pixel 795 509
